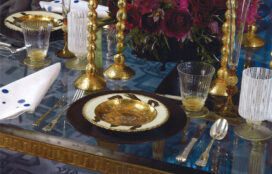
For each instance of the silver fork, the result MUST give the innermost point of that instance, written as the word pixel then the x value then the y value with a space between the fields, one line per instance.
pixel 78 94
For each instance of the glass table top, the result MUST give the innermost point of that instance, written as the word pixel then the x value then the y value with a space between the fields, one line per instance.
pixel 230 155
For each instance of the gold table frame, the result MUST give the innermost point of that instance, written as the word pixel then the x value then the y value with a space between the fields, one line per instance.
pixel 67 151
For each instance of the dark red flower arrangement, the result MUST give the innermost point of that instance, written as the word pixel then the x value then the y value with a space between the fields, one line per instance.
pixel 170 30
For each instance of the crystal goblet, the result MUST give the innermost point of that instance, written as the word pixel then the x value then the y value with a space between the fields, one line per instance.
pixel 36 37
pixel 195 79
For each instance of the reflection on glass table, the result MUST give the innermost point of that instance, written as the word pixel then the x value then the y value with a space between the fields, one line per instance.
pixel 66 144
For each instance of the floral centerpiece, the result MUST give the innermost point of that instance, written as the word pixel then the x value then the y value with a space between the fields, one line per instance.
pixel 173 30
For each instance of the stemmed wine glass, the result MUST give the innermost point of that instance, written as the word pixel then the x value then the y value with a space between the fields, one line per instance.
pixel 237 12
pixel 65 53
pixel 255 104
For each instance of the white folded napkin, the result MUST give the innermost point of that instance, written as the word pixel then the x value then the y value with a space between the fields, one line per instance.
pixel 55 6
pixel 25 94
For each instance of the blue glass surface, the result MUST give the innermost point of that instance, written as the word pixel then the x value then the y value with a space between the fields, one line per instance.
pixel 230 155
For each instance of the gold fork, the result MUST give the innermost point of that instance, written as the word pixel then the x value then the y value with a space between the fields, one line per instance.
pixel 60 103
pixel 78 94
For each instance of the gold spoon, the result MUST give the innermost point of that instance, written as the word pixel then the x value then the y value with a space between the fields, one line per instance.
pixel 218 131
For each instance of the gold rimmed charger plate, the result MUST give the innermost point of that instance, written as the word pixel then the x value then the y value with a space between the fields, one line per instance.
pixel 125 112
pixel 175 122
pixel 14 21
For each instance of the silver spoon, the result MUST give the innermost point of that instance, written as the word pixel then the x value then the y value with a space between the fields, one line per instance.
pixel 218 131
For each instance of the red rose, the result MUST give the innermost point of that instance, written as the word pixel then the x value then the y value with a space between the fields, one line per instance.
pixel 149 25
pixel 133 17
pixel 146 6
pixel 203 10
pixel 176 23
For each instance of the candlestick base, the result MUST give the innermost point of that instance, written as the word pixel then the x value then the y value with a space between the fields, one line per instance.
pixel 219 88
pixel 119 72
pixel 251 40
pixel 88 82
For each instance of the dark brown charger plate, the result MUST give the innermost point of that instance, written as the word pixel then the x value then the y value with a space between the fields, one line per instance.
pixel 175 123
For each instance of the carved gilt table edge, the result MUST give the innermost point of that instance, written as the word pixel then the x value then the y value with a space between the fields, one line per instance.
pixel 11 139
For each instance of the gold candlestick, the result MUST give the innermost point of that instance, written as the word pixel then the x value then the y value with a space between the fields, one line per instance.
pixel 118 70
pixel 219 86
pixel 251 40
pixel 229 110
pixel 65 53
pixel 90 81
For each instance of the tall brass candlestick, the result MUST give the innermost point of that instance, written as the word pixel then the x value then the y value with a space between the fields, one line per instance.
pixel 229 110
pixel 90 81
pixel 118 70
pixel 219 86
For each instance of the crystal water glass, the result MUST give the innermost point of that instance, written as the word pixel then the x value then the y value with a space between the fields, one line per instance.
pixel 195 79
pixel 77 39
pixel 36 36
pixel 255 104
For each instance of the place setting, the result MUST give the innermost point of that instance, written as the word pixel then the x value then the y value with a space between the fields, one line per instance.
pixel 87 112
pixel 126 116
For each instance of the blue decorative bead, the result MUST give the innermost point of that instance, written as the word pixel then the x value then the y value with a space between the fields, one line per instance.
pixel 5 91
pixel 26 105
pixel 21 101
pixel 3 102
pixel 49 8
pixel 76 1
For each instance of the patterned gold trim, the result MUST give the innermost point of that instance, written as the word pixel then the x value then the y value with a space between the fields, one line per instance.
pixel 72 157
pixel 156 103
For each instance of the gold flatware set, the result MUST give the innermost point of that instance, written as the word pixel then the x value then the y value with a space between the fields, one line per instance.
pixel 60 103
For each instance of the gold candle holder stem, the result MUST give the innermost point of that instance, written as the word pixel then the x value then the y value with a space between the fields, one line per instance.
pixel 229 109
pixel 219 86
pixel 90 81
pixel 65 53
pixel 118 70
